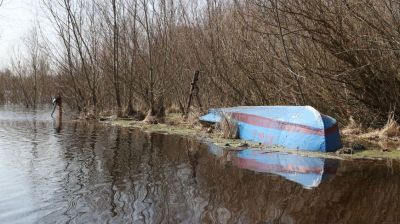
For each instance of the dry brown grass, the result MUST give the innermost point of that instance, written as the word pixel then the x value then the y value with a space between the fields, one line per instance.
pixel 392 128
pixel 352 128
pixel 151 118
pixel 386 138
pixel 193 116
pixel 390 131
pixel 229 127
pixel 173 109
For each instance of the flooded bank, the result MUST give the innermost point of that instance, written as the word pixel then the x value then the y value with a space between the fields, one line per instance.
pixel 89 173
pixel 353 146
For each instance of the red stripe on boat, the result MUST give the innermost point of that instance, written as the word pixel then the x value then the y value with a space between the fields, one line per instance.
pixel 265 167
pixel 281 125
pixel 332 129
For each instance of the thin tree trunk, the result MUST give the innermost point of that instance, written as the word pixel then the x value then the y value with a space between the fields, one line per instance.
pixel 115 57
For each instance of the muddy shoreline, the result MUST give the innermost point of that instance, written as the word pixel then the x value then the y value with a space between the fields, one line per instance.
pixel 355 147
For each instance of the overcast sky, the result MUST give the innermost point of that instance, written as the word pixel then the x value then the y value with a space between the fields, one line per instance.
pixel 16 20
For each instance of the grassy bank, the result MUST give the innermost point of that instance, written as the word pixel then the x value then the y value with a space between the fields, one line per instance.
pixel 176 125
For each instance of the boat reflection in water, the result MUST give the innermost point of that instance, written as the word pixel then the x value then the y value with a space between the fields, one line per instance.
pixel 307 171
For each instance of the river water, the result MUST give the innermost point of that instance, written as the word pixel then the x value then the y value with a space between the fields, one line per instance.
pixel 90 173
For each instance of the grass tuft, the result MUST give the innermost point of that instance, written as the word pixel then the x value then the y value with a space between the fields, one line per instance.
pixel 229 127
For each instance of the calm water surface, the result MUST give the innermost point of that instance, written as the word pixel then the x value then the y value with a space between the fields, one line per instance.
pixel 88 173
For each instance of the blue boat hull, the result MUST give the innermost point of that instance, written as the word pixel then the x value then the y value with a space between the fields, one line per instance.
pixel 307 171
pixel 292 127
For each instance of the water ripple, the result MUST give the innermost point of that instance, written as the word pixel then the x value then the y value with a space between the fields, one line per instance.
pixel 88 173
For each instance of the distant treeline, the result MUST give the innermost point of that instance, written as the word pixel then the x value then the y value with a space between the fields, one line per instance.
pixel 342 57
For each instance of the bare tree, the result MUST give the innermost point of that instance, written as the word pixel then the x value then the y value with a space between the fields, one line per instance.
pixel 116 59
pixel 338 56
pixel 33 46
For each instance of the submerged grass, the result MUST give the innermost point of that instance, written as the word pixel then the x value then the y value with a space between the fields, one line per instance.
pixel 175 124
pixel 373 149
pixel 376 154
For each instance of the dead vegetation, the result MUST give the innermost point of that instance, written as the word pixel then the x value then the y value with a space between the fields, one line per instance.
pixel 340 57
pixel 228 127
pixel 352 128
pixel 386 138
pixel 355 148
pixel 155 116
pixel 178 126
pixel 193 116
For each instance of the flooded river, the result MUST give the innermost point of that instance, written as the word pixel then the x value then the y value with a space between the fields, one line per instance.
pixel 89 173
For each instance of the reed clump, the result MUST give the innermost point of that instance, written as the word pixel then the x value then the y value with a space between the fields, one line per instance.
pixel 175 108
pixel 193 116
pixel 385 139
pixel 353 128
pixel 229 127
pixel 390 131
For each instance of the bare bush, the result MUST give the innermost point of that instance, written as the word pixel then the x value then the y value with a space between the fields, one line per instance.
pixel 339 56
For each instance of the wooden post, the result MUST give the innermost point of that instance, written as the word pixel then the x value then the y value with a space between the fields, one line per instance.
pixel 59 99
pixel 193 88
pixel 58 102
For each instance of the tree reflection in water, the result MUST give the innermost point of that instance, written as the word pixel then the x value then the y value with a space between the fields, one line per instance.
pixel 89 173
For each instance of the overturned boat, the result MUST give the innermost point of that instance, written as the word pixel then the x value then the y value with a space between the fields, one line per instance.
pixel 292 127
pixel 307 171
